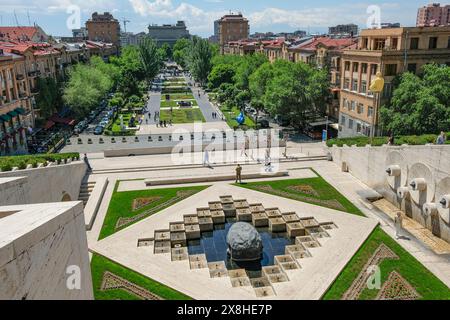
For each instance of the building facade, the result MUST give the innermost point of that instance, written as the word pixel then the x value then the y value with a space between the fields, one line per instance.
pixel 104 28
pixel 433 15
pixel 232 27
pixel 350 29
pixel 389 51
pixel 168 33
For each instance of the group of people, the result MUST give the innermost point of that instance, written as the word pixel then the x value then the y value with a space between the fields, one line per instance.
pixel 215 115
pixel 164 123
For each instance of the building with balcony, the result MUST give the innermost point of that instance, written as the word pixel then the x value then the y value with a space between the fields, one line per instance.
pixel 433 15
pixel 391 52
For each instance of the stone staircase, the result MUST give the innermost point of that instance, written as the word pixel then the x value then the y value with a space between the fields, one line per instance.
pixel 85 191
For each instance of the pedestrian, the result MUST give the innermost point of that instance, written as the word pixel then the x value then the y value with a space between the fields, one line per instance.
pixel 86 161
pixel 391 139
pixel 146 121
pixel 398 221
pixel 165 124
pixel 206 159
pixel 441 138
pixel 267 161
pixel 239 173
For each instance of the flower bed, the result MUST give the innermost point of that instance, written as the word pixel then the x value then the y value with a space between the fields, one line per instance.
pixel 21 162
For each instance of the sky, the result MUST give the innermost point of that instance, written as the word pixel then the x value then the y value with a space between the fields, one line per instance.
pixel 57 17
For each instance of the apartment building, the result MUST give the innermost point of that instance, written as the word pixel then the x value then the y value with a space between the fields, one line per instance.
pixel 104 28
pixel 168 33
pixel 15 104
pixel 232 27
pixel 433 15
pixel 389 51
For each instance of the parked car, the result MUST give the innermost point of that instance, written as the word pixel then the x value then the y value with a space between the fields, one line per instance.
pixel 98 130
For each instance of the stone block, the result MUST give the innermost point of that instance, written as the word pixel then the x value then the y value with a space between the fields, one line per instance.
pixel 309 222
pixel 290 217
pixel 295 229
pixel 176 227
pixel 179 254
pixel 244 215
pixel 273 213
pixel 260 220
pixel 190 219
pixel 256 207
pixel 241 204
pixel 162 235
pixel 218 216
pixel 215 205
pixel 198 261
pixel 192 232
pixel 297 251
pixel 277 225
pixel 229 209
pixel 317 232
pixel 178 238
pixel 206 224
pixel 203 212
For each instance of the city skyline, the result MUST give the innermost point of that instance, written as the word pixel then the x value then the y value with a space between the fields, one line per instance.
pixel 199 15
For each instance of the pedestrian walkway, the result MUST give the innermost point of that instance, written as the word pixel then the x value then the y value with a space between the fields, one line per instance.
pixel 203 102
pixel 153 106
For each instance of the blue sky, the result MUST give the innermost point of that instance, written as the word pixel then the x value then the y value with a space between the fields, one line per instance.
pixel 264 15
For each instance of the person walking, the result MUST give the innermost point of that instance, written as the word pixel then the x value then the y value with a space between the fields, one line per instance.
pixel 391 139
pixel 398 222
pixel 206 159
pixel 239 173
pixel 441 138
pixel 86 161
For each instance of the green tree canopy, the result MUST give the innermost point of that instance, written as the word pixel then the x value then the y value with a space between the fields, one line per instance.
pixel 420 104
pixel 199 59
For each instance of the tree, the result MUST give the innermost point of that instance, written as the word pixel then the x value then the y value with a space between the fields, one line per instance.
pixel 200 59
pixel 221 73
pixel 180 52
pixel 420 104
pixel 150 58
pixel 49 98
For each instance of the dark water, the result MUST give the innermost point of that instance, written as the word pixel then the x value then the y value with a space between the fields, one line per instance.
pixel 214 246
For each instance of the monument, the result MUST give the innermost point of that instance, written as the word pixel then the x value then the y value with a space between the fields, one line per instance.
pixel 244 243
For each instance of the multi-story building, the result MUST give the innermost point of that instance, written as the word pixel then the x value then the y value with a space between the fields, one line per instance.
pixel 168 33
pixel 433 15
pixel 389 51
pixel 15 106
pixel 80 33
pixel 131 39
pixel 232 27
pixel 350 29
pixel 105 28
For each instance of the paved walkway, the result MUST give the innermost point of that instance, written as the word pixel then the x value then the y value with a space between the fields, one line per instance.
pixel 203 102
pixel 153 106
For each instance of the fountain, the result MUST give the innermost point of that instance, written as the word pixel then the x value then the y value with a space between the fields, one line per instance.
pixel 244 243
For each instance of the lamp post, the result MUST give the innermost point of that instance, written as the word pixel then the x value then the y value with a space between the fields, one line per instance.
pixel 376 87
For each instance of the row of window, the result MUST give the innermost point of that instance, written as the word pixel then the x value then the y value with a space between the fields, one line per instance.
pixel 359 108
pixel 364 67
pixel 360 127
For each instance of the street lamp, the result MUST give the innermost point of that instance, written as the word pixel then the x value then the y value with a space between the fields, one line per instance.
pixel 376 87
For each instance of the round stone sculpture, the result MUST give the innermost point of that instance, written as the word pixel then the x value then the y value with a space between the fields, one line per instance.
pixel 244 242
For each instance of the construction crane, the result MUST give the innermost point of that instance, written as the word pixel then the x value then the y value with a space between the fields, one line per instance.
pixel 125 21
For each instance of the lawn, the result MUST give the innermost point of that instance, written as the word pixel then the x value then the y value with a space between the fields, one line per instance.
pixel 424 282
pixel 172 103
pixel 179 96
pixel 99 265
pixel 312 190
pixel 120 211
pixel 231 115
pixel 185 115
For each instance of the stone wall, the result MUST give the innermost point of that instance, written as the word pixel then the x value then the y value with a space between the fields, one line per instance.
pixel 44 252
pixel 48 184
pixel 13 190
pixel 369 165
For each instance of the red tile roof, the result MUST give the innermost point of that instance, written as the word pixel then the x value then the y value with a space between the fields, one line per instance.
pixel 328 42
pixel 18 33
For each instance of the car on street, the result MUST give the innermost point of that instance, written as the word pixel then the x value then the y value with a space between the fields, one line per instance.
pixel 98 130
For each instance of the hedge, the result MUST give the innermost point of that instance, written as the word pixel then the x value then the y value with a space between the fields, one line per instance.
pixel 21 162
pixel 379 141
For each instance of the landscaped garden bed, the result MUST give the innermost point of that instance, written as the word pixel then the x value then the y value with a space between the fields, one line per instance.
pixel 21 162
pixel 379 141
pixel 182 115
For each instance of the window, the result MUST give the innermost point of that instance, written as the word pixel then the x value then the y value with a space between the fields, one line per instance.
pixel 355 85
pixel 347 65
pixel 391 70
pixel 414 44
pixel 346 83
pixel 353 105
pixel 373 69
pixel 358 127
pixel 350 123
pixel 360 108
pixel 412 67
pixel 370 112
pixel 343 120
pixel 363 86
pixel 432 44
pixel 364 68
pixel 379 44
pixel 355 67
pixel 394 44
pixel 344 103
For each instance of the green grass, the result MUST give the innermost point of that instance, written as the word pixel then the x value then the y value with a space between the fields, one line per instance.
pixel 425 283
pixel 178 96
pixel 172 103
pixel 379 141
pixel 100 264
pixel 231 115
pixel 185 115
pixel 324 189
pixel 120 205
